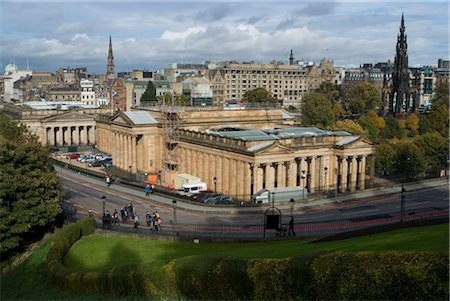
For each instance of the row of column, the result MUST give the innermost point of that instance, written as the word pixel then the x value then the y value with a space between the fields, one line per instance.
pixel 241 179
pixel 124 152
pixel 70 135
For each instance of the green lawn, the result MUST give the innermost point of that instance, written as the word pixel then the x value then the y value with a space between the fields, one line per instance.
pixel 29 280
pixel 97 251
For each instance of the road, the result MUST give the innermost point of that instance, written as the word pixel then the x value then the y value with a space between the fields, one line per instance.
pixel 87 193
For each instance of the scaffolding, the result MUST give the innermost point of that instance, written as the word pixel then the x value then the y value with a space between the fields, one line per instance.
pixel 171 122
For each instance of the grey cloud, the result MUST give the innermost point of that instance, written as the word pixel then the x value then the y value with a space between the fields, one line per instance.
pixel 215 12
pixel 317 9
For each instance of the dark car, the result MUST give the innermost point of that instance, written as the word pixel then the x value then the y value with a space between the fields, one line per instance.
pixel 95 163
pixel 220 200
pixel 54 149
pixel 200 197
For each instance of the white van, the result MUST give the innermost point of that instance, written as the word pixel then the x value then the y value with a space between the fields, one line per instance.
pixel 192 188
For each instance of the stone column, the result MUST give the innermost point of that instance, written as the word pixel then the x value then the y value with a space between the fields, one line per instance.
pixel 313 181
pixel 354 171
pixel 363 173
pixel 146 157
pixel 200 166
pixel 233 177
pixel 93 141
pixel 281 175
pixel 133 155
pixel 81 134
pixel 247 181
pixel 225 175
pixel 76 135
pixel 206 170
pixel 219 176
pixel 259 177
pixel 344 173
pixel 252 177
pixel 270 173
pixel 292 181
pixel 372 170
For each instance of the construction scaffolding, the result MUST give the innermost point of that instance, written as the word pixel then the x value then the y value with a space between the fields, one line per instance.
pixel 171 123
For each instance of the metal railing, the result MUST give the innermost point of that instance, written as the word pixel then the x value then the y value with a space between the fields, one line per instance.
pixel 256 231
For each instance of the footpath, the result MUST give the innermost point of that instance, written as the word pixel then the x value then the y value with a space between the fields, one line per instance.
pixel 312 202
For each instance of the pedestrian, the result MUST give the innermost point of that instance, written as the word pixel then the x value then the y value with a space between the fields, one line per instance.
pixel 154 222
pixel 122 214
pixel 153 189
pixel 291 227
pixel 148 218
pixel 90 213
pixel 158 220
pixel 147 190
pixel 136 221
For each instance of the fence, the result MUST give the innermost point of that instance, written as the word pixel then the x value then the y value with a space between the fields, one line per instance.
pixel 256 231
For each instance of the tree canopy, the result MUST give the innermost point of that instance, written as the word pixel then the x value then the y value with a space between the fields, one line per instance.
pixel 363 97
pixel 150 93
pixel 29 194
pixel 259 95
pixel 317 110
pixel 331 91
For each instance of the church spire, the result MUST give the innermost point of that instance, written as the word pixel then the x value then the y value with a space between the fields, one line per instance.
pixel 291 58
pixel 110 66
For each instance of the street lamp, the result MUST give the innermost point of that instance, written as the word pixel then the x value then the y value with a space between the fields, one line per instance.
pixel 104 203
pixel 174 203
pixel 292 201
pixel 402 204
pixel 215 184
pixel 130 171
pixel 325 180
pixel 304 183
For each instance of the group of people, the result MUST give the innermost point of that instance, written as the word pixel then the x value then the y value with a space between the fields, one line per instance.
pixel 153 221
pixel 149 190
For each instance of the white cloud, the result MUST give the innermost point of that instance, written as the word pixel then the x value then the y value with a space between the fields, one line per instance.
pixel 182 35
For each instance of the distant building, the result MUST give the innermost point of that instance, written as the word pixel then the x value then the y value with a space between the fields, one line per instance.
pixel 199 89
pixel 7 80
pixel 87 92
pixel 110 74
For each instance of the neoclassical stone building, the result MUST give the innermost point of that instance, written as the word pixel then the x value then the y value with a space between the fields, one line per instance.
pixel 236 152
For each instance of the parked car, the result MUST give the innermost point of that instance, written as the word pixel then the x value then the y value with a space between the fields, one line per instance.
pixel 95 163
pixel 73 156
pixel 54 149
pixel 200 197
pixel 219 200
pixel 82 158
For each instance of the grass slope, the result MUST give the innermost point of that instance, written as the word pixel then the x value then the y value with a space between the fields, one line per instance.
pixel 29 280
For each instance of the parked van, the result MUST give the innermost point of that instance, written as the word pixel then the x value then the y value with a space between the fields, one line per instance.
pixel 281 194
pixel 192 188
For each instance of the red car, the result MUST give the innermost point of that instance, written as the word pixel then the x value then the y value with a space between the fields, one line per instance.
pixel 73 156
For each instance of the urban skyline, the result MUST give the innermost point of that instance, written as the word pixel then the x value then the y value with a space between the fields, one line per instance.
pixel 151 34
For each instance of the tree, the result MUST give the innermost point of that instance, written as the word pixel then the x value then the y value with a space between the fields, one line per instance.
pixel 384 158
pixel 409 159
pixel 348 126
pixel 363 97
pixel 373 124
pixel 439 120
pixel 150 93
pixel 391 129
pixel 436 149
pixel 316 110
pixel 331 91
pixel 412 123
pixel 339 111
pixel 181 100
pixel 29 194
pixel 259 95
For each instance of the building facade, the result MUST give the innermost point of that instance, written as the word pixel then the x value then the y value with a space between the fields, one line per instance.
pixel 236 152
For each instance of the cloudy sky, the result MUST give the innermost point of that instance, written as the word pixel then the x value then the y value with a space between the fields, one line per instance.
pixel 151 34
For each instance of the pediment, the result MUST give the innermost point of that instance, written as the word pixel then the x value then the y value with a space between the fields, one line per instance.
pixel 356 143
pixel 75 116
pixel 120 119
pixel 275 148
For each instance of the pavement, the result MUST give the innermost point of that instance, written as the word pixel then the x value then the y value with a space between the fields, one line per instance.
pixel 314 201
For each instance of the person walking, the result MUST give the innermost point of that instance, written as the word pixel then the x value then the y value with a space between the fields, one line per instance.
pixel 148 218
pixel 147 190
pixel 136 221
pixel 158 220
pixel 291 227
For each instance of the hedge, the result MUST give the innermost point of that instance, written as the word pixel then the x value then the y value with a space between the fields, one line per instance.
pixel 334 276
pixel 376 276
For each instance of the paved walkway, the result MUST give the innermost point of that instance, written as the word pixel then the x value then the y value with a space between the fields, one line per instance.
pixel 314 201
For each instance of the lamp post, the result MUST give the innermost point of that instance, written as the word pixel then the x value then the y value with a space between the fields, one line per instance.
pixel 402 204
pixel 104 204
pixel 130 171
pixel 174 203
pixel 292 201
pixel 159 177
pixel 325 180
pixel 304 184
pixel 215 184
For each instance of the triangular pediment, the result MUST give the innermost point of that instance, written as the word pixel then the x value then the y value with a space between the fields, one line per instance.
pixel 75 116
pixel 120 118
pixel 274 148
pixel 354 142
